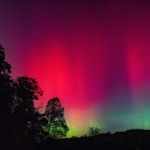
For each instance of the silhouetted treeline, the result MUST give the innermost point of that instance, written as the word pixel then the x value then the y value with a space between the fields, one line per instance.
pixel 21 125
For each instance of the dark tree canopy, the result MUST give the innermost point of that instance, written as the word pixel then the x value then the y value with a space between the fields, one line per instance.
pixel 26 91
pixel 19 119
pixel 54 114
pixel 5 68
pixel 6 90
pixel 6 97
pixel 19 116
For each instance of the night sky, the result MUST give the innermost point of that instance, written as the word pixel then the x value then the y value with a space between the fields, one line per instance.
pixel 93 55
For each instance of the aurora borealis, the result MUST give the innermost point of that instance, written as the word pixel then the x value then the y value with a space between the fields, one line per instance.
pixel 93 55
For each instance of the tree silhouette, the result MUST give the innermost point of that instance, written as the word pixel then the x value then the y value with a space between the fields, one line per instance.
pixel 6 98
pixel 26 91
pixel 5 85
pixel 5 68
pixel 54 114
pixel 6 90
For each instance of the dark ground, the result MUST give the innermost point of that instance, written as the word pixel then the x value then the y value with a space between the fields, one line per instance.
pixel 137 139
pixel 129 140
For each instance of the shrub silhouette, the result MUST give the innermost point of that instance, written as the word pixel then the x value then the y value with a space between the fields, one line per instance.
pixel 93 131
